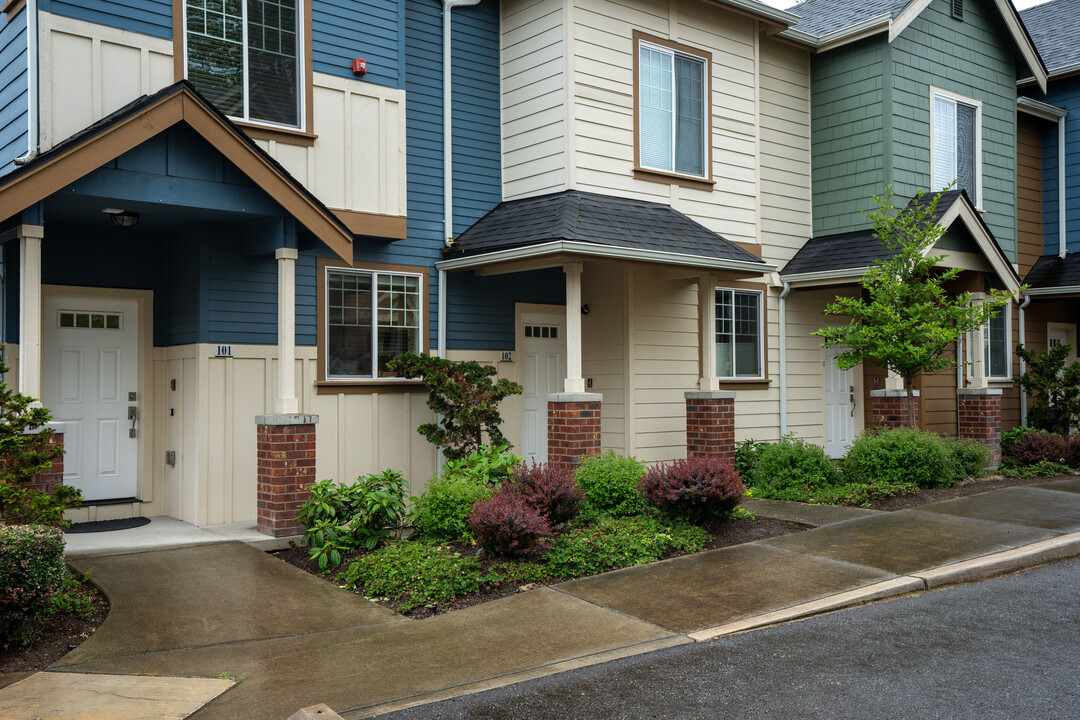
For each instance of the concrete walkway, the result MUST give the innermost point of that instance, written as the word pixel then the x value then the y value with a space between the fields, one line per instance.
pixel 226 611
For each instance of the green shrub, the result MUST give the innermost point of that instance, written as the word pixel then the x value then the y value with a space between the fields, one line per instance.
pixel 490 465
pixel 74 597
pixel 415 574
pixel 971 456
pixel 747 454
pixel 610 483
pixel 903 456
pixel 31 570
pixel 614 543
pixel 1043 468
pixel 29 506
pixel 788 469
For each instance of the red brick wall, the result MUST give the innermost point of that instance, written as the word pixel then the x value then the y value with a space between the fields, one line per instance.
pixel 286 469
pixel 573 432
pixel 710 427
pixel 980 419
pixel 891 411
pixel 54 476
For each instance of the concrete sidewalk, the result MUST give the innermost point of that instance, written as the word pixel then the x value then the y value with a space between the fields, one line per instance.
pixel 225 611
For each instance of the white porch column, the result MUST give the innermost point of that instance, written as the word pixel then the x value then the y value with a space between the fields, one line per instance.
pixel 30 237
pixel 893 381
pixel 978 351
pixel 707 316
pixel 574 382
pixel 286 399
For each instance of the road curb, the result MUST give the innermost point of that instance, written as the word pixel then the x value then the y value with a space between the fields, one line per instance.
pixel 1058 548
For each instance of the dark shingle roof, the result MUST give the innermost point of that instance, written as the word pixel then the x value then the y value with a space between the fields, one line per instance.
pixel 1052 271
pixel 862 248
pixel 1054 28
pixel 597 219
pixel 821 17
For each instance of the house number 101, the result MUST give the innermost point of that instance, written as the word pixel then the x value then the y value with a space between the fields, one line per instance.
pixel 223 351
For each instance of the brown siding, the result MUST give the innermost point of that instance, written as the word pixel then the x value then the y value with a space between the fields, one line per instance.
pixel 1029 190
pixel 938 399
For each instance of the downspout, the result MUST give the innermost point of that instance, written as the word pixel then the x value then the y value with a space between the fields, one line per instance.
pixel 783 358
pixel 31 83
pixel 1023 365
pixel 1061 188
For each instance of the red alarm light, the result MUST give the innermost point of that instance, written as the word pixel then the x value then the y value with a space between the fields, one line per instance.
pixel 359 66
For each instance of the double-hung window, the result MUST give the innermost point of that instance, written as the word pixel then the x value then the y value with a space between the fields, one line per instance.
pixel 956 144
pixel 371 318
pixel 739 334
pixel 673 110
pixel 246 57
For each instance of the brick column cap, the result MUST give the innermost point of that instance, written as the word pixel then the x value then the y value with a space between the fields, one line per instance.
pixel 571 397
pixel 978 391
pixel 710 395
pixel 892 393
pixel 286 419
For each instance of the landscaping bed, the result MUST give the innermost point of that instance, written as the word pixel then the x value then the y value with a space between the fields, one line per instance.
pixel 722 532
pixel 971 486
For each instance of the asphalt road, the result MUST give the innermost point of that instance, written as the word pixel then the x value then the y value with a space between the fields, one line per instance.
pixel 1004 648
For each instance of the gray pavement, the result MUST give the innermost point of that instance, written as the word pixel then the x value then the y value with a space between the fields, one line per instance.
pixel 226 610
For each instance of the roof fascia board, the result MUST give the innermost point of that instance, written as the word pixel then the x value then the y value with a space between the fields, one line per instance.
pixel 824 277
pixel 1040 109
pixel 761 10
pixel 601 251
pixel 1055 74
pixel 1000 264
pixel 906 16
pixel 844 36
pixel 1063 290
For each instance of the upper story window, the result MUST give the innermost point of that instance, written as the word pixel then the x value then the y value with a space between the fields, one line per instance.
pixel 672 108
pixel 245 56
pixel 956 138
pixel 739 336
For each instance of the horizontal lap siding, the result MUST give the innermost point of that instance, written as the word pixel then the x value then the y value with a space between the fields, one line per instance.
pixel 973 58
pixel 533 98
pixel 1064 94
pixel 13 91
pixel 604 348
pixel 369 29
pixel 149 17
pixel 1029 210
pixel 848 134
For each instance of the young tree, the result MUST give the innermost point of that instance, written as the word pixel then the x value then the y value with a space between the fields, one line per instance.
pixel 464 397
pixel 1054 388
pixel 908 320
pixel 25 447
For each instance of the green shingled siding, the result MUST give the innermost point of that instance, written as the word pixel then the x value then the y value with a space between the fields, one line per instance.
pixel 974 58
pixel 847 134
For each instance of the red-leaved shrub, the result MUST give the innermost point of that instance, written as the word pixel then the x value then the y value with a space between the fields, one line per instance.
pixel 506 525
pixel 1035 447
pixel 1072 452
pixel 550 489
pixel 694 488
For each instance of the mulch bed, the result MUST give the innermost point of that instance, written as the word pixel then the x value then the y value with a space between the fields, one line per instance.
pixel 967 487
pixel 53 637
pixel 723 533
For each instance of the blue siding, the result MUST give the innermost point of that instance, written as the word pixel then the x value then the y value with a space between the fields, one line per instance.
pixel 242 295
pixel 1064 94
pixel 369 29
pixel 480 310
pixel 13 93
pixel 150 17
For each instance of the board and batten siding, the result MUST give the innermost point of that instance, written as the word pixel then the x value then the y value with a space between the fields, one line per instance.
pixel 13 91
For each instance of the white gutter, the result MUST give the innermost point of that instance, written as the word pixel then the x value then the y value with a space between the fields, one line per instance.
pixel 1066 290
pixel 448 158
pixel 1052 75
pixel 31 83
pixel 602 251
pixel 873 25
pixel 780 17
pixel 783 358
pixel 845 274
pixel 1023 365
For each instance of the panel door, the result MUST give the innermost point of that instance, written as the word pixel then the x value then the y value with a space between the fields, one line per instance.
pixel 839 406
pixel 91 364
pixel 542 347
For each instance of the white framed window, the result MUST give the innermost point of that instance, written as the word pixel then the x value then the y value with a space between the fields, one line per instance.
pixel 673 109
pixel 956 143
pixel 371 318
pixel 247 57
pixel 740 321
pixel 996 355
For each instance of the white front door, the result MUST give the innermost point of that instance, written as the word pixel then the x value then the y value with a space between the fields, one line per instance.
pixel 1057 336
pixel 542 347
pixel 91 364
pixel 839 405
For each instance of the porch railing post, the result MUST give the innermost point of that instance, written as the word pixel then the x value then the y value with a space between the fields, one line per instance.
pixel 286 395
pixel 574 382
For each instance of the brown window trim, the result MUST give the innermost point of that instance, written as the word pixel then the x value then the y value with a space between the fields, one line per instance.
pixel 324 386
pixel 269 132
pixel 661 175
pixel 292 135
pixel 749 383
pixel 13 8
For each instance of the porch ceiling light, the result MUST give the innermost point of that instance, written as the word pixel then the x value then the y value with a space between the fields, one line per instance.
pixel 122 218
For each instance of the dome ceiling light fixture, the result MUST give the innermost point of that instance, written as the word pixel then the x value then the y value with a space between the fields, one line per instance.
pixel 122 218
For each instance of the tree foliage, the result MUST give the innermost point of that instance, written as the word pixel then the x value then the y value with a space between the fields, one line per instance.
pixel 25 447
pixel 908 320
pixel 465 397
pixel 1053 387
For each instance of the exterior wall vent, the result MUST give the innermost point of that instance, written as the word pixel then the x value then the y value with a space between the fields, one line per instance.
pixel 957 9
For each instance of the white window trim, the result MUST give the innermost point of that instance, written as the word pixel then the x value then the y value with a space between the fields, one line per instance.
pixel 325 329
pixel 761 334
pixel 301 67
pixel 935 93
pixel 706 111
pixel 970 343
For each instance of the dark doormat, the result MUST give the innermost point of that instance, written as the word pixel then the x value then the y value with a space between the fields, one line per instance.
pixel 108 525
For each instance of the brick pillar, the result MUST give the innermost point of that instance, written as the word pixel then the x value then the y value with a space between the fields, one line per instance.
pixel 980 419
pixel 286 469
pixel 889 408
pixel 48 480
pixel 573 427
pixel 710 424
